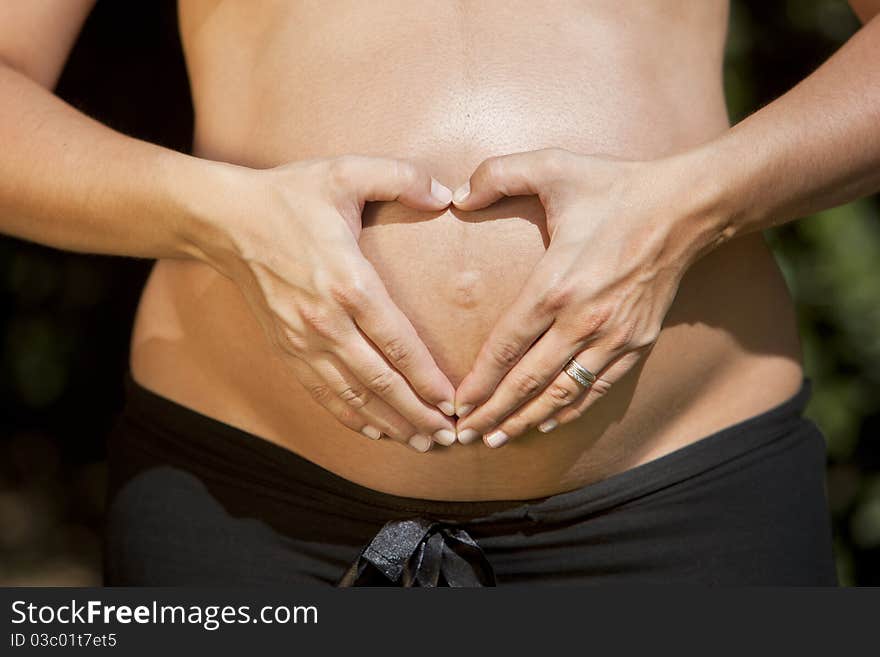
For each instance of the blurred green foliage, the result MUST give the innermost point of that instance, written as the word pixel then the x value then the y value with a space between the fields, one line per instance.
pixel 831 262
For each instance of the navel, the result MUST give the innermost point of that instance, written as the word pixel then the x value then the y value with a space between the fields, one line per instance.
pixel 467 287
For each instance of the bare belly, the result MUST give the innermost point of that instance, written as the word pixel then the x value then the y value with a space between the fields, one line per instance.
pixel 728 351
pixel 729 348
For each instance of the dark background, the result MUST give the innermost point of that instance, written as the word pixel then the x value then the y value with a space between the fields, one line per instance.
pixel 66 318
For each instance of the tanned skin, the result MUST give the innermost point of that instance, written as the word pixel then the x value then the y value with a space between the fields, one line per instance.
pixel 316 282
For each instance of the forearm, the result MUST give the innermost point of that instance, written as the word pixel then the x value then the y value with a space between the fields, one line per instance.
pixel 70 182
pixel 815 147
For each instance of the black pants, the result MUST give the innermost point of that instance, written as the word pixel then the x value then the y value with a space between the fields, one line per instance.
pixel 195 501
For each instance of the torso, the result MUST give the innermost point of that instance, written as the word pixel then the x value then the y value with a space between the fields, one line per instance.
pixel 448 84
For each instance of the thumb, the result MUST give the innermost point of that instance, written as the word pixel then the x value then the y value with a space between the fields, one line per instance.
pixel 518 174
pixel 388 179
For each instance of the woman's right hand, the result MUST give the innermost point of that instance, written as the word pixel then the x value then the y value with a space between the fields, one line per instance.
pixel 288 237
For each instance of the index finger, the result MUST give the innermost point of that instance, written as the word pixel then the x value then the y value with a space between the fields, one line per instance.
pixel 390 330
pixel 527 318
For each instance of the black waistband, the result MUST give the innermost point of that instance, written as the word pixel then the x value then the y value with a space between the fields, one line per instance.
pixel 250 461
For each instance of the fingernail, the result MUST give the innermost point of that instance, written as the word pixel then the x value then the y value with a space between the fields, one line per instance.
pixel 462 192
pixel 441 192
pixel 371 432
pixel 444 436
pixel 468 436
pixel 446 407
pixel 464 410
pixel 420 443
pixel 496 439
pixel 548 425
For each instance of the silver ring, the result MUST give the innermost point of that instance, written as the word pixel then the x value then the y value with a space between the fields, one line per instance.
pixel 580 373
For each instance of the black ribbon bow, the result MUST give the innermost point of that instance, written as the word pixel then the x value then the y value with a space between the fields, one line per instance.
pixel 420 552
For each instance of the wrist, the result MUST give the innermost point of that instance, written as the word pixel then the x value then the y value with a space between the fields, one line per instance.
pixel 207 193
pixel 700 203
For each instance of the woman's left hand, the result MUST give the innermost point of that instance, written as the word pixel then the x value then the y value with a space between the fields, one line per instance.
pixel 621 238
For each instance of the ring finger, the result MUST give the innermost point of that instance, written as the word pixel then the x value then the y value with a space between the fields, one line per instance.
pixel 324 395
pixel 347 388
pixel 562 392
pixel 379 378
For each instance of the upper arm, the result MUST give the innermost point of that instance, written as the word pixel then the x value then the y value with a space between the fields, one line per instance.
pixel 36 35
pixel 865 9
